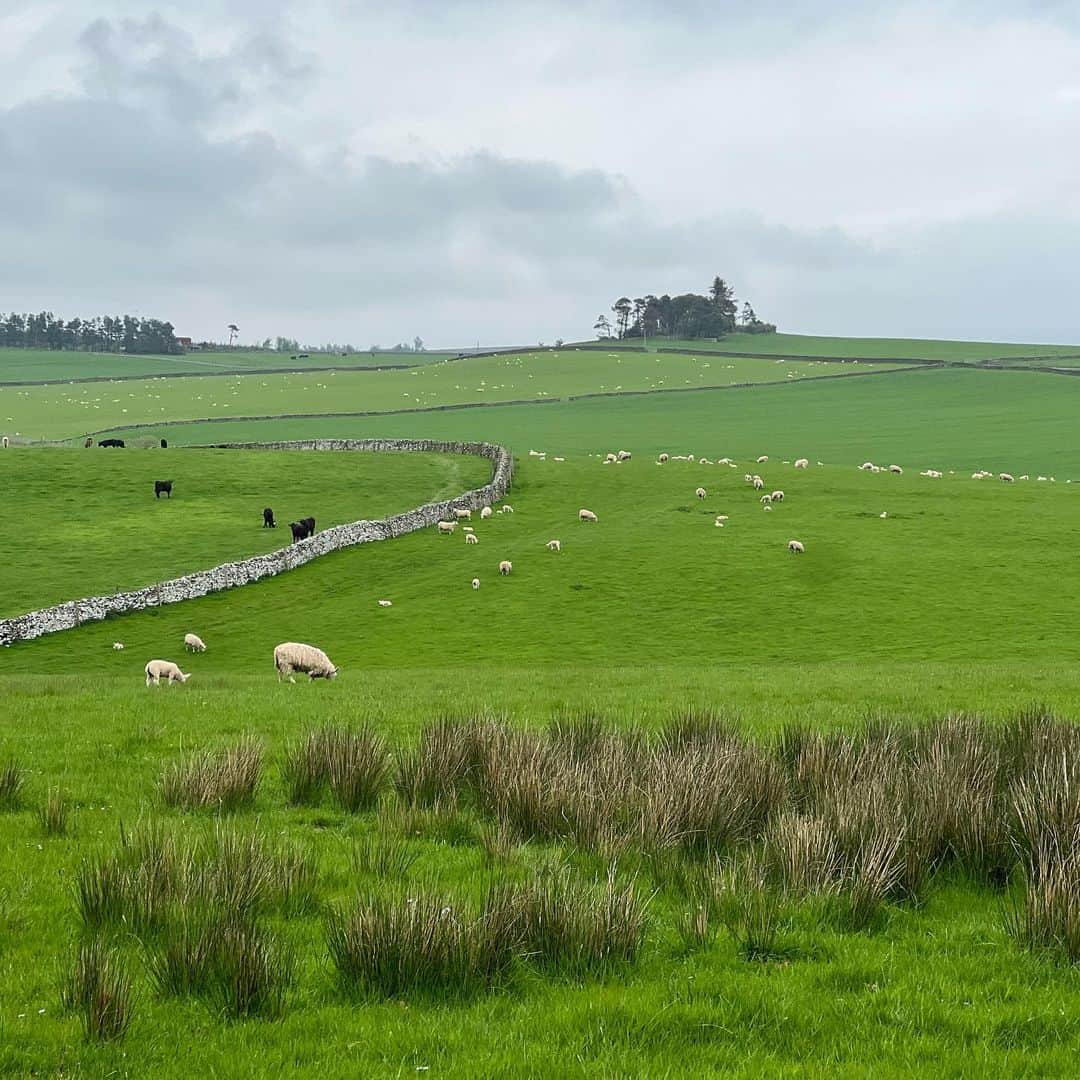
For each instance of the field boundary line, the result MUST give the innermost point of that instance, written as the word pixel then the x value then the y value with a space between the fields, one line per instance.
pixel 73 613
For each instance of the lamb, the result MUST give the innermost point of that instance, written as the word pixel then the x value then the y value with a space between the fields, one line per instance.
pixel 759 484
pixel 624 455
pixel 663 458
pixel 896 469
pixel 504 509
pixel 802 463
pixel 867 466
pixel 157 670
pixel 587 515
pixel 700 493
pixel 505 567
pixel 725 461
pixel 721 518
pixel 610 459
pixel 467 528
pixel 162 487
pixel 446 527
pixel 463 515
pixel 777 496
pixel 553 545
pixel 559 459
pixel 386 603
pixel 795 547
pixel 1007 478
pixel 118 646
pixel 476 583
pixel 883 515
pixel 194 643
pixel 268 518
pixel 761 460
pixel 472 538
pixel 292 656
pixel 766 498
pixel 485 513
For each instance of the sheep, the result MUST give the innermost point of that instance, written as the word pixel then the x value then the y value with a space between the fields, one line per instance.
pixel 766 498
pixel 463 515
pixel 700 493
pixel 624 455
pixel 795 547
pixel 559 459
pixel 505 567
pixel 157 670
pixel 504 509
pixel 268 518
pixel 777 496
pixel 4 442
pixel 587 515
pixel 867 466
pixel 485 513
pixel 802 463
pixel 721 518
pixel 162 487
pixel 663 458
pixel 472 538
pixel 553 545
pixel 118 646
pixel 194 643
pixel 761 460
pixel 759 484
pixel 748 477
pixel 767 506
pixel 724 461
pixel 896 469
pixel 1040 477
pixel 611 458
pixel 1007 478
pixel 446 527
pixel 476 583
pixel 386 603
pixel 467 528
pixel 292 656
pixel 883 515
pixel 1024 476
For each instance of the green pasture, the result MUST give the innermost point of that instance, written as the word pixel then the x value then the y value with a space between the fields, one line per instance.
pixel 98 527
pixel 64 411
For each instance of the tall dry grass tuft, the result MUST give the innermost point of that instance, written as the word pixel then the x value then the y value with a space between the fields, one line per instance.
pixel 11 785
pixel 1047 914
pixel 803 855
pixel 224 780
pixel 250 973
pixel 53 813
pixel 99 987
pixel 444 764
pixel 383 856
pixel 751 905
pixel 358 767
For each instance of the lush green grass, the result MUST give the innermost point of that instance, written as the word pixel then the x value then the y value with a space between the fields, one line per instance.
pixel 63 411
pixel 97 527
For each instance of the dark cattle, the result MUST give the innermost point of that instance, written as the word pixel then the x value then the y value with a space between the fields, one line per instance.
pixel 164 444
pixel 162 486
pixel 268 519
pixel 299 530
pixel 89 442
pixel 111 442
pixel 310 523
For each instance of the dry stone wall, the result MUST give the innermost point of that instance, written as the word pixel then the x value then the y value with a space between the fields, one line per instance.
pixel 73 613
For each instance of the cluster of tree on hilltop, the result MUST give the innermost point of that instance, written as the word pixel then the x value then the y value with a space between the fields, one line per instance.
pixel 686 316
pixel 103 333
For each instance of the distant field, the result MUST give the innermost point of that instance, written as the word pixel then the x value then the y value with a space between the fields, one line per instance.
pixel 62 411
pixel 97 527
pixel 873 348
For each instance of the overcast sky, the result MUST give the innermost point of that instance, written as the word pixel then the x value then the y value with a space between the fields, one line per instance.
pixel 467 170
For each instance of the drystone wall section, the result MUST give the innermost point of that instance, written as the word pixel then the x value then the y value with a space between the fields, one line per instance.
pixel 73 613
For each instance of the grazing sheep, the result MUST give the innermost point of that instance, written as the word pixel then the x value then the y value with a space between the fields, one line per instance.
pixel 292 656
pixel 867 466
pixel 268 518
pixel 700 493
pixel 725 461
pixel 1040 477
pixel 896 469
pixel 766 498
pixel 611 459
pixel 118 646
pixel 194 643
pixel 761 460
pixel 386 603
pixel 759 484
pixel 721 518
pixel 553 545
pixel 624 455
pixel 883 515
pixel 795 547
pixel 463 515
pixel 587 515
pixel 777 496
pixel 663 458
pixel 476 583
pixel 802 463
pixel 748 477
pixel 505 567
pixel 157 670
pixel 467 528
pixel 767 506
pixel 162 487
pixel 472 538
pixel 446 527
pixel 485 513
pixel 504 509
pixel 1007 478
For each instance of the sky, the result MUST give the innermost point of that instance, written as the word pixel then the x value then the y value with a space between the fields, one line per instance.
pixel 472 171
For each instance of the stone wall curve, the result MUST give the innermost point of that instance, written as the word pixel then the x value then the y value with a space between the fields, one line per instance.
pixel 73 613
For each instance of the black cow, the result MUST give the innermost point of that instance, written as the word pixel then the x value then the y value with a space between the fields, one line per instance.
pixel 268 519
pixel 89 442
pixel 299 530
pixel 310 523
pixel 111 442
pixel 162 486
pixel 164 444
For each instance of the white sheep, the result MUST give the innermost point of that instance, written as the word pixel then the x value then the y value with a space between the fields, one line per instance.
pixel 795 547
pixel 194 643
pixel 883 515
pixel 4 442
pixel 485 513
pixel 472 538
pixel 1007 478
pixel 587 515
pixel 700 493
pixel 777 496
pixel 610 459
pixel 447 527
pixel 761 460
pixel 759 484
pixel 725 461
pixel 663 458
pixel 117 646
pixel 721 518
pixel 867 466
pixel 505 567
pixel 476 583
pixel 802 463
pixel 624 455
pixel 292 656
pixel 767 506
pixel 463 515
pixel 1024 476
pixel 896 469
pixel 553 545
pixel 504 509
pixel 386 603
pixel 559 459
pixel 766 498
pixel 467 528
pixel 157 670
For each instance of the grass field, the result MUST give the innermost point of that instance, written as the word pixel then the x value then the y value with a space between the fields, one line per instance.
pixel 959 600
pixel 59 411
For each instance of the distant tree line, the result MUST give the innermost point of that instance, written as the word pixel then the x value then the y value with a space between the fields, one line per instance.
pixel 687 316
pixel 103 333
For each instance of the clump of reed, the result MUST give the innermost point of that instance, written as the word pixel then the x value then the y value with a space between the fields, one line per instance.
pixel 353 763
pixel 98 987
pixel 223 780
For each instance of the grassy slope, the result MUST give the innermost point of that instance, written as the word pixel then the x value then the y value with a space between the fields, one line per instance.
pixel 63 411
pixel 98 527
